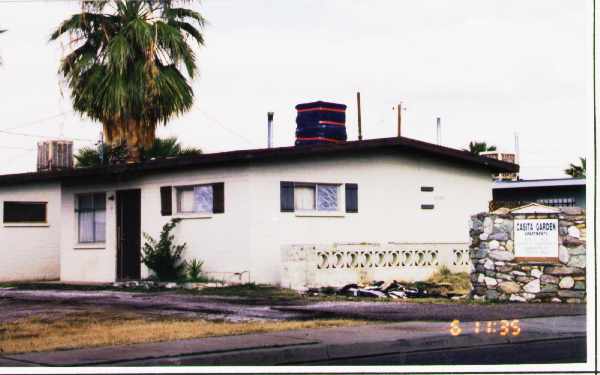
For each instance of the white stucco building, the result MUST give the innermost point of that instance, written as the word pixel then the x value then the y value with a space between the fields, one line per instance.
pixel 240 210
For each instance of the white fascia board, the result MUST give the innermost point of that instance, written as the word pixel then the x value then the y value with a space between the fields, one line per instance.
pixel 539 183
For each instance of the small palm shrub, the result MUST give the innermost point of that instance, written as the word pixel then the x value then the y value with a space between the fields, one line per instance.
pixel 163 257
pixel 194 271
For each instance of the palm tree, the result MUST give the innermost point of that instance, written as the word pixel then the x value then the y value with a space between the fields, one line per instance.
pixel 169 147
pixel 576 171
pixel 476 148
pixel 161 148
pixel 125 68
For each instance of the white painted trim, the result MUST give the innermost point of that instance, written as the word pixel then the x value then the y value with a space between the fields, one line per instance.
pixel 320 213
pixel 184 216
pixel 539 183
pixel 90 246
pixel 26 225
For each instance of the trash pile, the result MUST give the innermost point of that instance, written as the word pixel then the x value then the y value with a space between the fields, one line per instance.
pixel 392 289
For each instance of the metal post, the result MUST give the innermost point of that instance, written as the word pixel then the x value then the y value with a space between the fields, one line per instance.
pixel 400 119
pixel 359 116
pixel 438 132
pixel 101 147
pixel 270 129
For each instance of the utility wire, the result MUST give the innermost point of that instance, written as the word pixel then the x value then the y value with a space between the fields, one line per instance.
pixel 36 122
pixel 217 122
pixel 17 148
pixel 45 136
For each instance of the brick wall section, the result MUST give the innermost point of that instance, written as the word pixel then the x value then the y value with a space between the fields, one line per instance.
pixel 497 276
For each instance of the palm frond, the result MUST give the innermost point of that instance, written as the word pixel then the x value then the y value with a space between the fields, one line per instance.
pixel 577 171
pixel 126 61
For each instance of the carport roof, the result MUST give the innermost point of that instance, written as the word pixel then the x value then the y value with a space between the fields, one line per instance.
pixel 279 154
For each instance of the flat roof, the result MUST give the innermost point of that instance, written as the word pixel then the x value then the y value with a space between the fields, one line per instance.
pixel 551 182
pixel 278 154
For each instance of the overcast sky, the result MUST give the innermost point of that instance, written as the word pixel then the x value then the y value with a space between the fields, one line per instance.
pixel 487 68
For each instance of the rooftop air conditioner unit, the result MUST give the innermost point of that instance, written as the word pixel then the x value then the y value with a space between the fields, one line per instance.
pixel 54 155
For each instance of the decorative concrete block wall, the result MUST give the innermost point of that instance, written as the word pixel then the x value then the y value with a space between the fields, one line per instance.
pixel 497 275
pixel 335 265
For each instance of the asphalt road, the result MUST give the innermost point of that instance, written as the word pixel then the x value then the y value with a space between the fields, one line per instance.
pixel 567 350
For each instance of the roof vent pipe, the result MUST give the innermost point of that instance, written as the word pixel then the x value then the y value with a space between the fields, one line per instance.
pixel 269 129
pixel 438 131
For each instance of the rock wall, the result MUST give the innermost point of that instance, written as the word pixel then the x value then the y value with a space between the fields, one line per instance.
pixel 498 276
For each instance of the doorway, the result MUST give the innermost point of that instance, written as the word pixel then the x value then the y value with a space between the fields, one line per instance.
pixel 129 227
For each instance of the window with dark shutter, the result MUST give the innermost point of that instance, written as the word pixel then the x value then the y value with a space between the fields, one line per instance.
pixel 427 188
pixel 218 198
pixel 287 196
pixel 351 198
pixel 166 201
pixel 25 212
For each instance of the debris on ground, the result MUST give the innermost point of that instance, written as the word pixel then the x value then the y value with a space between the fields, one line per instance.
pixel 149 284
pixel 392 289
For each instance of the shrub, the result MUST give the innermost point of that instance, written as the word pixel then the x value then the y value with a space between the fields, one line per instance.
pixel 163 257
pixel 461 281
pixel 194 271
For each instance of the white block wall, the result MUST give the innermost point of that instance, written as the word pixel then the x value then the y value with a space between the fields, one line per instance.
pixel 31 251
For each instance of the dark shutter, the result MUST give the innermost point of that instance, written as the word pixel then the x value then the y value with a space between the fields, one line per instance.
pixel 287 196
pixel 166 201
pixel 351 198
pixel 426 188
pixel 218 198
pixel 427 206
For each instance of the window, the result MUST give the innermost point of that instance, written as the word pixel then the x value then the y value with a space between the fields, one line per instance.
pixel 316 197
pixel 195 199
pixel 91 217
pixel 25 212
pixel 558 202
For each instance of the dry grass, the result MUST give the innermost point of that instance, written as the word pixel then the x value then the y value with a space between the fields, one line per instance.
pixel 461 282
pixel 104 329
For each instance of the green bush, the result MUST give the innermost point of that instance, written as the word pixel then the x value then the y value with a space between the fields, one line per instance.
pixel 194 271
pixel 163 257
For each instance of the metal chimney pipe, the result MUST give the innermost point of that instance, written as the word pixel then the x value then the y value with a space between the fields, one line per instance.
pixel 516 148
pixel 438 132
pixel 270 129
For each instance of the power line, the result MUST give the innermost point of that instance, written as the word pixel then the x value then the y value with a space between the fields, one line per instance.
pixel 17 148
pixel 217 122
pixel 15 157
pixel 36 122
pixel 45 136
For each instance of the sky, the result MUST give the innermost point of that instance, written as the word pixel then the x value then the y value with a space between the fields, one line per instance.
pixel 488 69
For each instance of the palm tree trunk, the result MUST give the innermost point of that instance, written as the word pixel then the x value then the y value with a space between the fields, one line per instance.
pixel 148 135
pixel 113 132
pixel 134 141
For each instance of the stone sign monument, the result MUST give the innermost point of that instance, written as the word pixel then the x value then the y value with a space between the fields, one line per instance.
pixel 533 253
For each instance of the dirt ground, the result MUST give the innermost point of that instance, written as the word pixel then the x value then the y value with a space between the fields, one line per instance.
pixel 18 304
